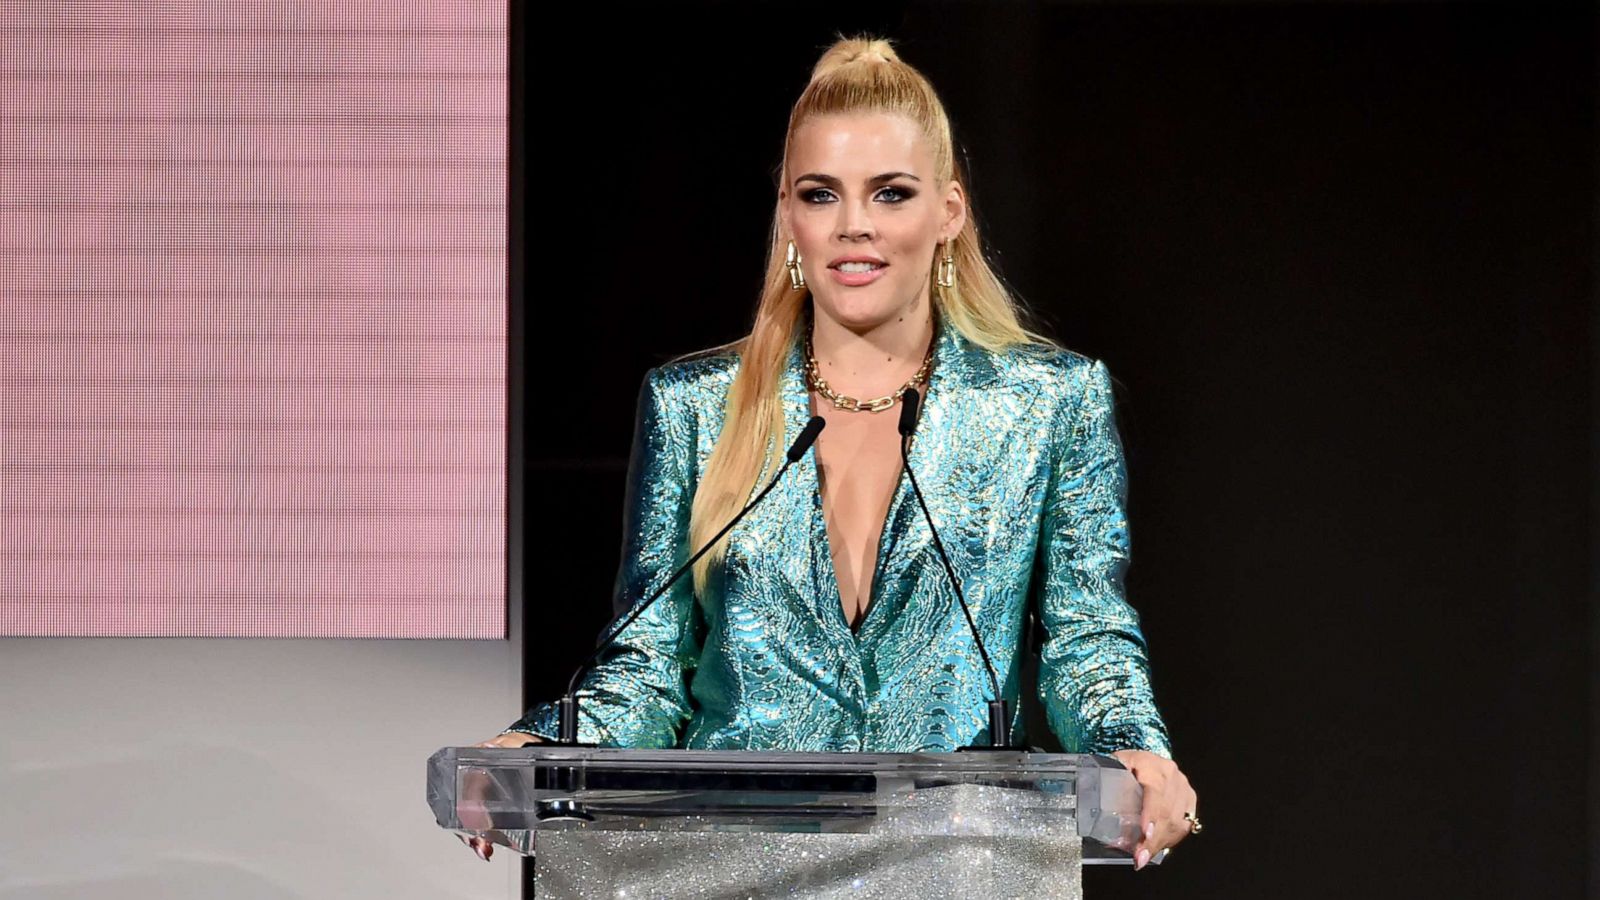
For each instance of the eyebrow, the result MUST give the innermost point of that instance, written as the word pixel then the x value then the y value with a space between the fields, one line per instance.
pixel 831 181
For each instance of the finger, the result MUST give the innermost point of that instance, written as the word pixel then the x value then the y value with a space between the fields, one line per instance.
pixel 1163 826
pixel 1151 813
pixel 1169 831
pixel 1174 828
pixel 1186 805
pixel 1143 852
pixel 1187 827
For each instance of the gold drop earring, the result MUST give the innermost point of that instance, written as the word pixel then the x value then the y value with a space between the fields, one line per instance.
pixel 791 261
pixel 946 276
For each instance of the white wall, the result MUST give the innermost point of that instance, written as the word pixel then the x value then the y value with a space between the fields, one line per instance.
pixel 246 769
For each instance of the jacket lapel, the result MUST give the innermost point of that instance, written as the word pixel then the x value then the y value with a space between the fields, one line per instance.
pixel 909 573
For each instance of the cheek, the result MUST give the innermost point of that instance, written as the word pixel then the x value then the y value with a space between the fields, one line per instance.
pixel 811 239
pixel 915 254
pixel 912 241
pixel 814 252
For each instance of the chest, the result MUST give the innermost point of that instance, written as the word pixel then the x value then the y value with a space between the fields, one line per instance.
pixel 858 456
pixel 859 470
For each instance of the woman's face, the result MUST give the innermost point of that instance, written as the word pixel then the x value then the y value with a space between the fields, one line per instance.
pixel 864 212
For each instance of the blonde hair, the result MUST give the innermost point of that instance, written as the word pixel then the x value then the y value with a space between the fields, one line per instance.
pixel 854 75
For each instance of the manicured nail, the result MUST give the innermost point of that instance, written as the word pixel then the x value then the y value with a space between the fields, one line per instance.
pixel 478 849
pixel 1141 859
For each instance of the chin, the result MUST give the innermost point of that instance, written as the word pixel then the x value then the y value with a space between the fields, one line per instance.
pixel 860 310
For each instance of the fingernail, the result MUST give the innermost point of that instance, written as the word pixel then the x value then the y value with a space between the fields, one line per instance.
pixel 480 851
pixel 1141 859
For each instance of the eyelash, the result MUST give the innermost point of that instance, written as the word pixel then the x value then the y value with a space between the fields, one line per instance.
pixel 905 194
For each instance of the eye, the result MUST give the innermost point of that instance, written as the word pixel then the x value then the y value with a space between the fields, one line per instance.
pixel 897 194
pixel 816 195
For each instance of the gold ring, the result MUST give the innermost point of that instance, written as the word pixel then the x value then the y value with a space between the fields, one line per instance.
pixel 1194 823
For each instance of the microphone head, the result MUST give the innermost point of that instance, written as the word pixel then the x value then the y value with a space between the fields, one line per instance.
pixel 808 436
pixel 908 411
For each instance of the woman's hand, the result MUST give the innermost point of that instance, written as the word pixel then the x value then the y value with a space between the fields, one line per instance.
pixel 1167 797
pixel 483 848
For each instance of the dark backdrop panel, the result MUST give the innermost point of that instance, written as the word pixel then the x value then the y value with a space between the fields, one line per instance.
pixel 1339 259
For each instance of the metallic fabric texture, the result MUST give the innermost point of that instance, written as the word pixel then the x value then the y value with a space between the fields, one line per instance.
pixel 1018 455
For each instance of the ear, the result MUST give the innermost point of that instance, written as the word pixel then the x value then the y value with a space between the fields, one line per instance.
pixel 955 211
pixel 784 225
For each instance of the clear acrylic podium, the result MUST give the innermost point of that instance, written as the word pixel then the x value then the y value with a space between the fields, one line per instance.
pixel 724 824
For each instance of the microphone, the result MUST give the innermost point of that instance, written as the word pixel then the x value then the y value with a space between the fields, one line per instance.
pixel 568 705
pixel 999 715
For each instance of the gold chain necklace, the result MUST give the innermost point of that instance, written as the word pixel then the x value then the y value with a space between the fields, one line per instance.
pixel 820 385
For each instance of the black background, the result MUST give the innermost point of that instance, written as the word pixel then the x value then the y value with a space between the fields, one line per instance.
pixel 1340 259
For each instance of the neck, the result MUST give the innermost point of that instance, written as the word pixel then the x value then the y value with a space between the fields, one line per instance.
pixel 873 362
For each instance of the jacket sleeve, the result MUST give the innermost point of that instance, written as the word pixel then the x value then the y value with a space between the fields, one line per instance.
pixel 1094 679
pixel 637 694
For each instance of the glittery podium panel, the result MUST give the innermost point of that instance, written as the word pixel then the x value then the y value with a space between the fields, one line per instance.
pixel 957 841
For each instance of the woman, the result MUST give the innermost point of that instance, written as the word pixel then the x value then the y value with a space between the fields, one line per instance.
pixel 824 620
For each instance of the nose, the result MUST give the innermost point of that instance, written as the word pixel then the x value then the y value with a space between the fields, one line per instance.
pixel 854 223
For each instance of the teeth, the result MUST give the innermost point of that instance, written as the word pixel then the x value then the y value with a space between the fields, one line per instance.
pixel 858 267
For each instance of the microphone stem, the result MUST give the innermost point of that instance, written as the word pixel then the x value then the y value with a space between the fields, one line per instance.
pixel 999 718
pixel 569 703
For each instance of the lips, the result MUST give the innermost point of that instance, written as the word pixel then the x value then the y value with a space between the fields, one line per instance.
pixel 857 264
pixel 857 271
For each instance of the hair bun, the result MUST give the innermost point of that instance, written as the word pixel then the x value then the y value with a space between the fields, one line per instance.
pixel 852 50
pixel 878 49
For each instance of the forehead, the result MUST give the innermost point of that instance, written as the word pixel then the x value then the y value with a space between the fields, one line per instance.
pixel 860 143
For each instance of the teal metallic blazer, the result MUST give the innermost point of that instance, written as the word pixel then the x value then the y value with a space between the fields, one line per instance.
pixel 1018 456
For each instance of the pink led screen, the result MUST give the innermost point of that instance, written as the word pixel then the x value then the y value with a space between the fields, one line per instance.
pixel 252 318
